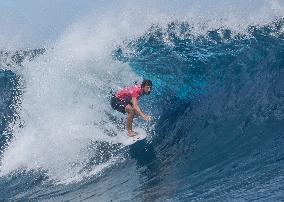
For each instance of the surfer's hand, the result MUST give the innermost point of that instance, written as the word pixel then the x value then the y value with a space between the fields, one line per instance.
pixel 147 118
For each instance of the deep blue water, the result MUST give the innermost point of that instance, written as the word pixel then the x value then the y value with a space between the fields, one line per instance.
pixel 220 131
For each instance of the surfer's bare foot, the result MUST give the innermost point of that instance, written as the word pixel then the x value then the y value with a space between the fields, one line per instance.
pixel 132 133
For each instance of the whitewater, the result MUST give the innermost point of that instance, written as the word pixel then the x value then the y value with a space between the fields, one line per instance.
pixel 218 105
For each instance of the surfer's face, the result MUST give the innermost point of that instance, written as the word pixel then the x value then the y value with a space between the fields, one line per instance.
pixel 147 90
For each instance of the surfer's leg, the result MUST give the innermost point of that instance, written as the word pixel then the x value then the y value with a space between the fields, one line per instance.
pixel 130 116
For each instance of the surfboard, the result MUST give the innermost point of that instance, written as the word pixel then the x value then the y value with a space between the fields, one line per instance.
pixel 126 140
pixel 132 140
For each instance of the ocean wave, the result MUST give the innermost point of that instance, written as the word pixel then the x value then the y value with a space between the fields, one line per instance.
pixel 218 99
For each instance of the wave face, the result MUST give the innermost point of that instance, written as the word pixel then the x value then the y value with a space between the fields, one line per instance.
pixel 220 135
pixel 218 103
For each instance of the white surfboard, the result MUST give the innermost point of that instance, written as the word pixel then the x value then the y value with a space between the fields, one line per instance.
pixel 132 140
pixel 126 140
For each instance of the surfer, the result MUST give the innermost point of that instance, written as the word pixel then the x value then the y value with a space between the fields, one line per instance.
pixel 126 101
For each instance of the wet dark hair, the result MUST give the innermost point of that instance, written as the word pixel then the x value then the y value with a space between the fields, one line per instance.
pixel 146 82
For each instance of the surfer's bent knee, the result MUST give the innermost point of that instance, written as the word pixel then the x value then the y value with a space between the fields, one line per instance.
pixel 129 109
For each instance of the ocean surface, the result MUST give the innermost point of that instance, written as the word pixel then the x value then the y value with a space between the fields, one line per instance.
pixel 218 116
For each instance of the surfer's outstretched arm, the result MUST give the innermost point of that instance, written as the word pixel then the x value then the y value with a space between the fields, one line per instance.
pixel 138 110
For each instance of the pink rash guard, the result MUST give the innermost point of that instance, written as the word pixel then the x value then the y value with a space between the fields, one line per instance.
pixel 126 94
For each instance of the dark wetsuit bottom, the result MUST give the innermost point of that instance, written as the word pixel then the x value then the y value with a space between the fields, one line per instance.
pixel 118 104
